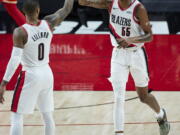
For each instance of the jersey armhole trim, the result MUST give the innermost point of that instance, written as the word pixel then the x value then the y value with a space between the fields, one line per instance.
pixel 113 32
pixel 22 27
pixel 134 14
pixel 39 23
pixel 123 9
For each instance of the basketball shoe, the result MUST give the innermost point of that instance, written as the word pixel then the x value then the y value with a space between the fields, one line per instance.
pixel 164 126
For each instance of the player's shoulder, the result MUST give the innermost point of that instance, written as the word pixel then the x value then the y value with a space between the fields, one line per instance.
pixel 20 34
pixel 20 31
pixel 140 6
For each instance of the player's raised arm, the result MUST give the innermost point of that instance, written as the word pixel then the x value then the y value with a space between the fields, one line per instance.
pixel 56 18
pixel 19 39
pixel 102 4
pixel 14 12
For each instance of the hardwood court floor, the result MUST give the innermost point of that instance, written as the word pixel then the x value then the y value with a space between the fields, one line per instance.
pixel 96 119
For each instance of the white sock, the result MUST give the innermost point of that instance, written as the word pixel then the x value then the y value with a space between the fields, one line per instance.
pixel 16 124
pixel 160 114
pixel 49 123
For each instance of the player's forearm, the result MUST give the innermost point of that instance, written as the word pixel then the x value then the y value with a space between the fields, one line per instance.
pixel 67 8
pixel 56 18
pixel 102 4
pixel 141 39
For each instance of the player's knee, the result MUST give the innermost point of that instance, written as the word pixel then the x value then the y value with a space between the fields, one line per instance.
pixel 119 90
pixel 119 87
pixel 117 82
pixel 119 102
pixel 119 96
pixel 143 94
pixel 117 79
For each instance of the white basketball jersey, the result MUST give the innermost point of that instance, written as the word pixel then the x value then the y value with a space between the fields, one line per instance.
pixel 123 23
pixel 36 50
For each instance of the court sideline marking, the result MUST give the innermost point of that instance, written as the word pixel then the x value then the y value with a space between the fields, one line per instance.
pixel 93 124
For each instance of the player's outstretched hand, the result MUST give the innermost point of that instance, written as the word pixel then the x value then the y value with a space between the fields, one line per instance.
pixel 2 90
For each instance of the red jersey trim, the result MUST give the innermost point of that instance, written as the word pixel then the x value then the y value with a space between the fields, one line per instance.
pixel 127 7
pixel 134 13
pixel 25 32
pixel 114 32
pixel 35 24
pixel 131 45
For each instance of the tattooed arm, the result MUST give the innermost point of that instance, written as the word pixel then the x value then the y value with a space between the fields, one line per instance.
pixel 142 16
pixel 56 18
pixel 102 4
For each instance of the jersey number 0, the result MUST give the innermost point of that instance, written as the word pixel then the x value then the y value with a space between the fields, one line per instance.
pixel 41 51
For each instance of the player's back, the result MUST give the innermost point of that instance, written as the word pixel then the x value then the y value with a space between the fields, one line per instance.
pixel 37 48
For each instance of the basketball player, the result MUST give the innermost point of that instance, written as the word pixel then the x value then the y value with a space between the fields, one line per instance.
pixel 35 84
pixel 130 29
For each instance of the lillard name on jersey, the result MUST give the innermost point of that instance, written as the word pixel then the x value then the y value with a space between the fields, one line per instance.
pixel 37 48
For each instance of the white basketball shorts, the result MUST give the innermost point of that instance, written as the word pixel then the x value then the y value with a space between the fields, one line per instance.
pixel 125 61
pixel 34 86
